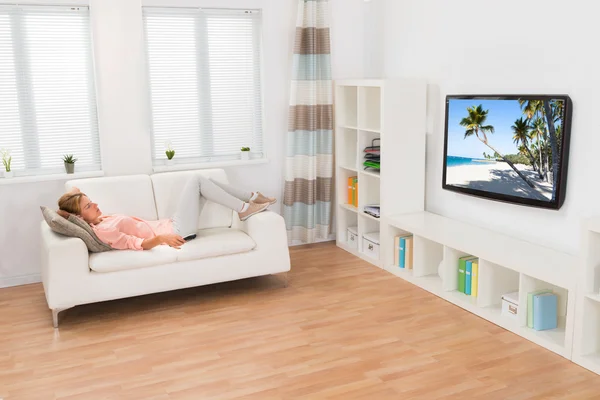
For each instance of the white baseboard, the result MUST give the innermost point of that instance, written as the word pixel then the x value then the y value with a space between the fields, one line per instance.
pixel 300 243
pixel 20 280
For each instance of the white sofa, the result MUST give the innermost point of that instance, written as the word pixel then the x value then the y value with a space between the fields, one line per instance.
pixel 225 249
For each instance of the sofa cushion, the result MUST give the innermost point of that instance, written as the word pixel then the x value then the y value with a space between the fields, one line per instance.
pixel 74 227
pixel 208 243
pixel 118 260
pixel 168 185
pixel 216 242
pixel 130 195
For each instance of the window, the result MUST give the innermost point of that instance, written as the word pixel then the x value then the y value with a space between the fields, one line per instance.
pixel 205 83
pixel 47 97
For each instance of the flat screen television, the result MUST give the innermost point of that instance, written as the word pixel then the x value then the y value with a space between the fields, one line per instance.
pixel 511 148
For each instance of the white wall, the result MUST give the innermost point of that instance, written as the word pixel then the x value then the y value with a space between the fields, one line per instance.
pixel 123 111
pixel 535 46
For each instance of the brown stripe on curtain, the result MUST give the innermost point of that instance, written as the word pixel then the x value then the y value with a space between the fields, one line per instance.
pixel 312 41
pixel 303 191
pixel 310 118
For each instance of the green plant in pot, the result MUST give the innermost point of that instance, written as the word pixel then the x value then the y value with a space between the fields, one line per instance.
pixel 245 152
pixel 69 160
pixel 170 154
pixel 6 160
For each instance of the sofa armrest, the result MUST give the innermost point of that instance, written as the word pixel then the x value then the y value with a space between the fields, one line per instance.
pixel 65 263
pixel 268 230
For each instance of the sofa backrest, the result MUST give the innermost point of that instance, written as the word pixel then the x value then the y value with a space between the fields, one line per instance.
pixel 129 195
pixel 168 185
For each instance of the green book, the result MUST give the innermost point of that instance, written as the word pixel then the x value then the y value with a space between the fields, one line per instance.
pixel 462 265
pixel 530 305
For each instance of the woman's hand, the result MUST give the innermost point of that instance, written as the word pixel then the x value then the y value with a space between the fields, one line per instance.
pixel 63 214
pixel 172 240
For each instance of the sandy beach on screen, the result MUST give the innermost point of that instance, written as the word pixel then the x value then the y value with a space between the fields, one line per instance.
pixel 499 177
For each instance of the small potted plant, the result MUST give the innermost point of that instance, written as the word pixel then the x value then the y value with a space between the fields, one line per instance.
pixel 6 160
pixel 170 154
pixel 245 152
pixel 69 160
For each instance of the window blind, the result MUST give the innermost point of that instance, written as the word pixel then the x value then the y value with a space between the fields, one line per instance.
pixel 47 96
pixel 205 83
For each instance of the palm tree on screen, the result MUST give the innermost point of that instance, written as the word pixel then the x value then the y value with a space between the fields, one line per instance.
pixel 475 125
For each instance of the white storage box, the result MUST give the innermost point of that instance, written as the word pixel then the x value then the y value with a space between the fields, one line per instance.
pixel 510 304
pixel 352 237
pixel 370 245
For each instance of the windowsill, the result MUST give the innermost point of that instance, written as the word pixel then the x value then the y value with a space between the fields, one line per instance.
pixel 218 164
pixel 52 177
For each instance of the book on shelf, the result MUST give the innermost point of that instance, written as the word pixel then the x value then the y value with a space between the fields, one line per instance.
pixel 397 251
pixel 545 307
pixel 474 277
pixel 403 251
pixel 372 209
pixel 468 271
pixel 530 305
pixel 353 191
pixel 462 272
pixel 408 253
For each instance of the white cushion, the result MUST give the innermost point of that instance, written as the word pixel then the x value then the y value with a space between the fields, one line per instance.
pixel 209 243
pixel 118 260
pixel 216 242
pixel 168 185
pixel 130 195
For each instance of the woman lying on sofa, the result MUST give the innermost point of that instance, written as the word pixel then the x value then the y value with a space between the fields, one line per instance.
pixel 124 232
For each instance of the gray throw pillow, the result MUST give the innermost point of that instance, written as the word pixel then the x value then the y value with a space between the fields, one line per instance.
pixel 74 227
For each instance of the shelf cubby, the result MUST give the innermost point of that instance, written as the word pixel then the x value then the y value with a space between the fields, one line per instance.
pixel 346 219
pixel 530 284
pixel 346 149
pixel 449 268
pixel 590 344
pixel 347 106
pixel 342 189
pixel 388 233
pixel 368 191
pixel 427 256
pixel 494 282
pixel 369 106
pixel 366 139
pixel 368 226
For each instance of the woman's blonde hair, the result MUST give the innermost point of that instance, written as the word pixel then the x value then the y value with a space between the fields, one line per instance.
pixel 69 202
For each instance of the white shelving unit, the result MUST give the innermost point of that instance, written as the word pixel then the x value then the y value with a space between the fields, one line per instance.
pixel 393 111
pixel 506 264
pixel 586 343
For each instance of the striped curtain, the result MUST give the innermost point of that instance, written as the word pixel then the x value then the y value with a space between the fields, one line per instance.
pixel 309 160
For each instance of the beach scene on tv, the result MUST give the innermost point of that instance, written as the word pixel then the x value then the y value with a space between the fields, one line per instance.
pixel 510 147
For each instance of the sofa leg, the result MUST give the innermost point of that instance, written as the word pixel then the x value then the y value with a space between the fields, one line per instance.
pixel 285 277
pixel 55 312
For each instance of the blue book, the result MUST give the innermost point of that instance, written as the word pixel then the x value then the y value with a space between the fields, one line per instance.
pixel 402 251
pixel 545 311
pixel 468 272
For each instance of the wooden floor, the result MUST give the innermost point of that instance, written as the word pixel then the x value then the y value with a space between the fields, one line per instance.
pixel 342 329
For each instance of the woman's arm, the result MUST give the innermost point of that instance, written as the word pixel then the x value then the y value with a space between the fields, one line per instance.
pixel 148 244
pixel 121 241
pixel 172 240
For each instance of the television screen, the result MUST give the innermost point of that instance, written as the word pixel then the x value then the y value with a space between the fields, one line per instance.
pixel 508 148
